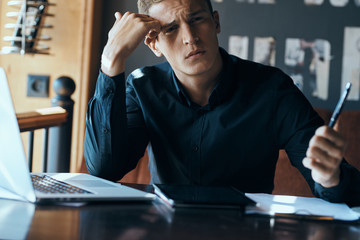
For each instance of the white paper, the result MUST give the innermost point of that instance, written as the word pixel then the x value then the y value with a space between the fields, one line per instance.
pixel 269 204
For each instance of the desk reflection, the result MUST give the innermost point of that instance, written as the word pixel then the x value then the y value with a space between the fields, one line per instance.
pixel 15 219
pixel 155 220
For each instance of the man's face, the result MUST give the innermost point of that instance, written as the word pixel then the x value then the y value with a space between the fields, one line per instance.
pixel 188 37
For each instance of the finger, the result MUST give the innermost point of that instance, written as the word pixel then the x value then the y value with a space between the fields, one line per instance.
pixel 326 146
pixel 337 126
pixel 331 135
pixel 147 40
pixel 322 157
pixel 152 24
pixel 306 162
pixel 117 16
pixel 151 36
pixel 152 33
pixel 320 174
pixel 315 166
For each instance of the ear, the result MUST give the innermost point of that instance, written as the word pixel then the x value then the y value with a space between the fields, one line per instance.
pixel 217 21
pixel 153 46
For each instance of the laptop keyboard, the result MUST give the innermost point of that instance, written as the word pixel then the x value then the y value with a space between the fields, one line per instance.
pixel 47 184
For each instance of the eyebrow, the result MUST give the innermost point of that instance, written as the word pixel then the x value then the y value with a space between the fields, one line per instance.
pixel 168 25
pixel 196 13
pixel 190 15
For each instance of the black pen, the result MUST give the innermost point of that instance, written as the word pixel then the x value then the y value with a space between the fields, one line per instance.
pixel 340 105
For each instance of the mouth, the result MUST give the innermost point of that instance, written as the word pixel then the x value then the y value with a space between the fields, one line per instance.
pixel 194 54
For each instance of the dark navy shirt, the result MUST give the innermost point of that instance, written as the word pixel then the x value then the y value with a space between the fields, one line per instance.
pixel 253 111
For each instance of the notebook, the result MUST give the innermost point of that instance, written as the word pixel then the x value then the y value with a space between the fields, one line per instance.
pixel 15 177
pixel 202 196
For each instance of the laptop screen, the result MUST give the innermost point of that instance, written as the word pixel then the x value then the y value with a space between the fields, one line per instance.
pixel 14 172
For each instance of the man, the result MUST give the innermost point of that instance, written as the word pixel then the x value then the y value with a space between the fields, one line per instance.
pixel 207 117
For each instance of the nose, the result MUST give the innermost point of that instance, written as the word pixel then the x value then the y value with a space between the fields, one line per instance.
pixel 189 35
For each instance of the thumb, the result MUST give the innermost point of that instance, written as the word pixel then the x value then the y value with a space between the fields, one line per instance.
pixel 117 16
pixel 337 126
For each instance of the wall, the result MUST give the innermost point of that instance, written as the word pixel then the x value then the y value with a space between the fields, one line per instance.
pixel 70 55
pixel 324 23
pixel 319 26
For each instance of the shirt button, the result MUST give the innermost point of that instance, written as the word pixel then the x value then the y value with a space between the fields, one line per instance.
pixel 195 148
pixel 106 130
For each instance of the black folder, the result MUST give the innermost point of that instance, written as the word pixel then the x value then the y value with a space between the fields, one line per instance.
pixel 202 196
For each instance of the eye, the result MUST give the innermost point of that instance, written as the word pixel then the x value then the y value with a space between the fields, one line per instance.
pixel 171 29
pixel 196 19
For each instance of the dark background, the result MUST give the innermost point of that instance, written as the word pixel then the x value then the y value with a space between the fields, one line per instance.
pixel 285 19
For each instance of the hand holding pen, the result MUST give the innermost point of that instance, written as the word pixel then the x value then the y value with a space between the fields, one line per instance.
pixel 326 149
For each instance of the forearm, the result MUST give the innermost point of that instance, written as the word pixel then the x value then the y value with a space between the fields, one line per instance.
pixel 111 148
pixel 107 139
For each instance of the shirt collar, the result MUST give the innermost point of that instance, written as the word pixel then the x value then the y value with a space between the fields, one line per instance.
pixel 221 90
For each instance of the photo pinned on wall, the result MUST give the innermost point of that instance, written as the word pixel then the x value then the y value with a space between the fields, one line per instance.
pixel 258 1
pixel 313 2
pixel 246 1
pixel 266 1
pixel 264 50
pixel 351 61
pixel 308 62
pixel 239 46
pixel 334 3
pixel 339 3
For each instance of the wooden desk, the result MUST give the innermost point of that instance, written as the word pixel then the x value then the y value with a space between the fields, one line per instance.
pixel 156 221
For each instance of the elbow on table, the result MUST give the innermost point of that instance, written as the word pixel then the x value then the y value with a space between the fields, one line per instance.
pixel 96 164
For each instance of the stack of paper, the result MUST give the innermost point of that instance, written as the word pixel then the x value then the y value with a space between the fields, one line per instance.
pixel 283 205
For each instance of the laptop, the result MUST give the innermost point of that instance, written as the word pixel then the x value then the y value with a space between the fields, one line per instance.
pixel 16 181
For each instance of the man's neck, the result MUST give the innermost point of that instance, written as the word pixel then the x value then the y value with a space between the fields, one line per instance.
pixel 199 87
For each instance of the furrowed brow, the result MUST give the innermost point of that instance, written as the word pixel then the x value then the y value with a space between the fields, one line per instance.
pixel 163 27
pixel 190 15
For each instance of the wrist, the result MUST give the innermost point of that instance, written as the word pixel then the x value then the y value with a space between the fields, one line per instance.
pixel 111 71
pixel 111 64
pixel 333 181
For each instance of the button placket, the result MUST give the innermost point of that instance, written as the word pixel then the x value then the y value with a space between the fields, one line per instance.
pixel 195 146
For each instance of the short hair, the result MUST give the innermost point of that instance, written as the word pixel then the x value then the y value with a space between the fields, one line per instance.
pixel 145 5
